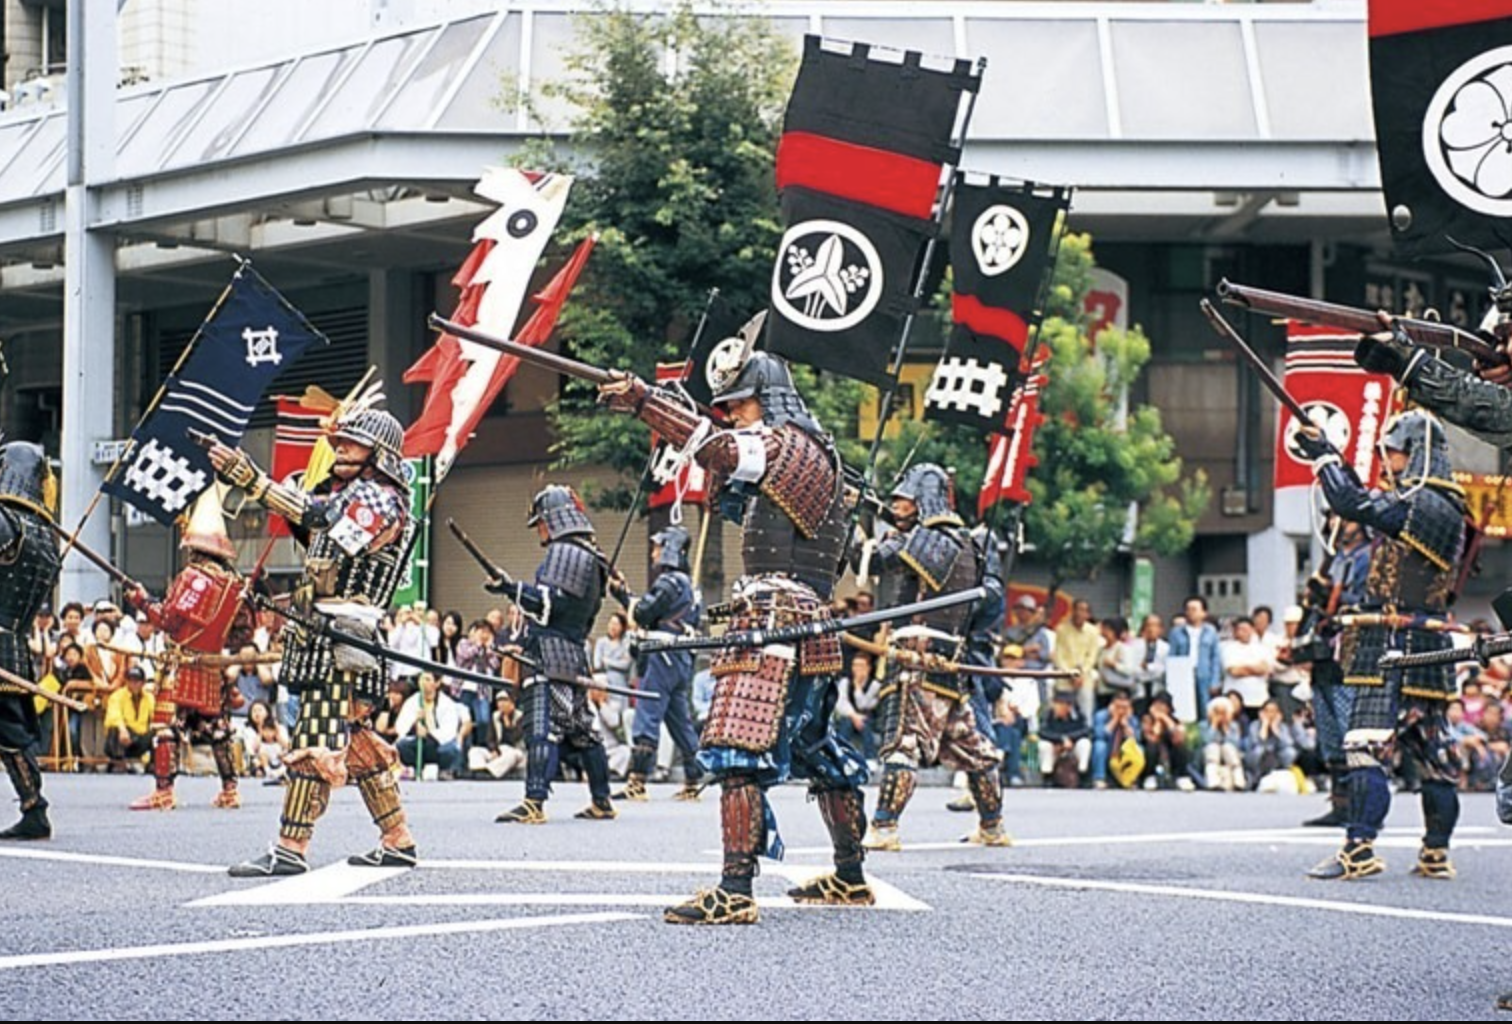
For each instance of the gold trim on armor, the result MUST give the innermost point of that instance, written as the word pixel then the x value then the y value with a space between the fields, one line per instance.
pixel 1422 694
pixel 1437 560
pixel 923 574
pixel 1364 680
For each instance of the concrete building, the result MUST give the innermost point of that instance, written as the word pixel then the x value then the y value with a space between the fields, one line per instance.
pixel 1205 141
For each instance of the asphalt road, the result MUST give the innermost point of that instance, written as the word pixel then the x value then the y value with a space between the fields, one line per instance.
pixel 1111 905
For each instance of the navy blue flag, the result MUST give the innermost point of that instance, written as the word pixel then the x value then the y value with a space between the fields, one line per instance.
pixel 248 340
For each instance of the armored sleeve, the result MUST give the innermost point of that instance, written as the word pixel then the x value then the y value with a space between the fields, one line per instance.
pixel 656 603
pixel 10 531
pixel 1463 398
pixel 887 556
pixel 1385 512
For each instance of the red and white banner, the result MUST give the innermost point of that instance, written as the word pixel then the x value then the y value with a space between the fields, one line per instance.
pixel 691 482
pixel 1349 405
pixel 294 438
pixel 1011 454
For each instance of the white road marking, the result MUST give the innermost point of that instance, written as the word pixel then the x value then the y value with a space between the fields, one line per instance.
pixel 1471 837
pixel 262 942
pixel 341 883
pixel 1252 898
pixel 32 853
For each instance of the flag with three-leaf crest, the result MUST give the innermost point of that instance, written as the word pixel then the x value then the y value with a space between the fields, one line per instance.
pixel 1003 242
pixel 251 336
pixel 865 146
pixel 1441 84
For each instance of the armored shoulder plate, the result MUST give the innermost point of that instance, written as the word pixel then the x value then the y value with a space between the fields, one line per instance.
pixel 931 553
pixel 1417 570
pixel 575 573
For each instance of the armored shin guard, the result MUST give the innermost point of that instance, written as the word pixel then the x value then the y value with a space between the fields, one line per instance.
pixel 225 763
pixel 380 792
pixel 26 776
pixel 642 760
pixel 742 813
pixel 844 814
pixel 987 792
pixel 596 767
pixel 1441 811
pixel 541 759
pixel 1369 802
pixel 165 748
pixel 897 788
pixel 305 800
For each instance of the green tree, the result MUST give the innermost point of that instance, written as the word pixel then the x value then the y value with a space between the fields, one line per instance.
pixel 1097 458
pixel 675 173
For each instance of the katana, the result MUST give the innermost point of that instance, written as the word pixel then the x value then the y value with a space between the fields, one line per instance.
pixel 809 630
pixel 581 682
pixel 7 676
pixel 910 658
pixel 1482 650
pixel 524 353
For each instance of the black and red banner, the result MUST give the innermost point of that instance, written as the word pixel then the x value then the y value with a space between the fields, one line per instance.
pixel 1348 404
pixel 1441 81
pixel 1001 248
pixel 866 141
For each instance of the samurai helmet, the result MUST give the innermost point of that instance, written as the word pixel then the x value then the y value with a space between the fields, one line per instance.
pixel 560 508
pixel 674 547
pixel 203 528
pixel 931 489
pixel 26 478
pixel 1419 434
pixel 379 430
pixel 766 378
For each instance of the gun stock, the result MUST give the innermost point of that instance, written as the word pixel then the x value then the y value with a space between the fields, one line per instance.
pixel 1428 333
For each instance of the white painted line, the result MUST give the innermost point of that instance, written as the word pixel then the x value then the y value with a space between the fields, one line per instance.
pixel 1252 898
pixel 341 883
pixel 323 885
pixel 123 862
pixel 263 942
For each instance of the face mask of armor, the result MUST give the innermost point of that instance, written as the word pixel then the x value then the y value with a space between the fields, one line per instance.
pixel 562 511
pixel 674 548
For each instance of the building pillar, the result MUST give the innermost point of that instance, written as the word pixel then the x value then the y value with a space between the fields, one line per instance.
pixel 396 335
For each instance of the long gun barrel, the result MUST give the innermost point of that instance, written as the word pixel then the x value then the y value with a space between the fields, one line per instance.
pixel 1428 333
pixel 524 353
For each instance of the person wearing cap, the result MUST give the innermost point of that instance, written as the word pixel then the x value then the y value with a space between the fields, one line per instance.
pixel 128 721
pixel 1065 738
pixel 356 529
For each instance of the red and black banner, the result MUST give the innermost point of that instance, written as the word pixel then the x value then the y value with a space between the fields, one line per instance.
pixel 865 144
pixel 294 435
pixel 1349 405
pixel 1010 454
pixel 1001 248
pixel 1441 80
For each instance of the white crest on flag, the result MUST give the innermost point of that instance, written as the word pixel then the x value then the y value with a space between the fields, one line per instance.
pixel 968 385
pixel 999 239
pixel 1466 132
pixel 262 346
pixel 164 478
pixel 1328 418
pixel 822 265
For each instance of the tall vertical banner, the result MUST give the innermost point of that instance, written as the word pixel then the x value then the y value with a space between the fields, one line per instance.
pixel 414 585
pixel 1349 405
pixel 676 481
pixel 294 435
pixel 865 143
pixel 251 336
pixel 1010 454
pixel 1001 246
pixel 1441 85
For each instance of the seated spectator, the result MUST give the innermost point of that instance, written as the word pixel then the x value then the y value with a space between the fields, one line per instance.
pixel 1222 748
pixel 253 681
pixel 1117 665
pixel 610 723
pixel 859 695
pixel 1305 738
pixel 1269 746
pixel 1246 665
pixel 386 721
pixel 1165 749
pixel 429 726
pixel 265 740
pixel 1117 756
pixel 1480 767
pixel 1065 748
pixel 1498 737
pixel 502 747
pixel 128 721
pixel 1013 719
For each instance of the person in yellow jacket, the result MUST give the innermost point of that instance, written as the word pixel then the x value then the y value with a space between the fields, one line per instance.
pixel 128 721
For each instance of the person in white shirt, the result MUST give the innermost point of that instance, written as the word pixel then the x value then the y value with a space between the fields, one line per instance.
pixel 408 637
pixel 1150 652
pixel 429 728
pixel 1116 664
pixel 1286 679
pixel 1246 665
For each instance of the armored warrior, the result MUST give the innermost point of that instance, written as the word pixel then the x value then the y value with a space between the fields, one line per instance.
pixel 1417 537
pixel 559 605
pixel 355 527
pixel 932 718
pixel 203 613
pixel 28 568
pixel 983 640
pixel 777 474
pixel 668 608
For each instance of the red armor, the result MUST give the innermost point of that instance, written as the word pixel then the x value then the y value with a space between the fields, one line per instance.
pixel 200 606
